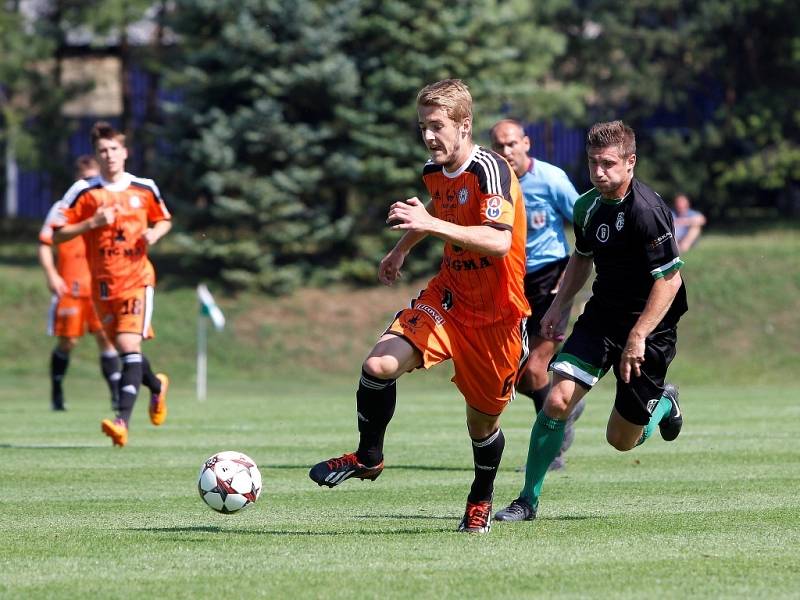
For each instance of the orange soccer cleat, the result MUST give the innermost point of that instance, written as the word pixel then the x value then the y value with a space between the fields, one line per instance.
pixel 117 430
pixel 158 402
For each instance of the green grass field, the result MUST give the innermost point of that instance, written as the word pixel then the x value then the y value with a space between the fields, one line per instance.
pixel 712 515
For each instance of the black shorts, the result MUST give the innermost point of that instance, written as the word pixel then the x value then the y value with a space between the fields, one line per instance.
pixel 540 289
pixel 595 346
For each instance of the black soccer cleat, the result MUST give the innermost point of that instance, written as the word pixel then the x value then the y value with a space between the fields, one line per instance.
pixel 670 426
pixel 334 471
pixel 519 510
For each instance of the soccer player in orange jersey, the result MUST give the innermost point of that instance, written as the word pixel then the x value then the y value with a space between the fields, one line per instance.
pixel 119 216
pixel 71 310
pixel 472 312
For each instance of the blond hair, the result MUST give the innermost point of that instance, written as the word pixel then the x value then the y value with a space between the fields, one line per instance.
pixel 612 133
pixel 450 94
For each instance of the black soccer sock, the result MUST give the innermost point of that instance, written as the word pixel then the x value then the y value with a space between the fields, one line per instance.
pixel 59 362
pixel 149 378
pixel 375 402
pixel 129 384
pixel 486 454
pixel 111 367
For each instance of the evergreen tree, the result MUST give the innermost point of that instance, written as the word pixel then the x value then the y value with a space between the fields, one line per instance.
pixel 710 87
pixel 257 146
pixel 297 125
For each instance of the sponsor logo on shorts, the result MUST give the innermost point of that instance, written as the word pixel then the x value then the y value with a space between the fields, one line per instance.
pixel 65 312
pixel 432 312
pixel 651 405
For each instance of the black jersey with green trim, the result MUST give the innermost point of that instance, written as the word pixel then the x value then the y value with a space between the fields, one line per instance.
pixel 632 243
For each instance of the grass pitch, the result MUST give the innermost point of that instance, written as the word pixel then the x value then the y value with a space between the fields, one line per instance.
pixel 712 515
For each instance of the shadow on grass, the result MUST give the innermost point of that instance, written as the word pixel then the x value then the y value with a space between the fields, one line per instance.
pixel 301 533
pixel 51 446
pixel 390 467
pixel 404 517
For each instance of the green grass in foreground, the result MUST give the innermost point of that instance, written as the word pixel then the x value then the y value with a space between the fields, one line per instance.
pixel 712 515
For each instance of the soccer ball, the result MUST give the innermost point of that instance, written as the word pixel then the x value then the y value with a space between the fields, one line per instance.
pixel 229 481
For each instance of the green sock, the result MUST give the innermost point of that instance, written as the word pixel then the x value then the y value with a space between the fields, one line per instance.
pixel 659 412
pixel 546 438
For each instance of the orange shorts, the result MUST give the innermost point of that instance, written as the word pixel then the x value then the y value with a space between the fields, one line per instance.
pixel 132 312
pixel 487 360
pixel 71 317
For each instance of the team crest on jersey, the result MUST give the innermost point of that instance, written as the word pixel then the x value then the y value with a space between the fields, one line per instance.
pixel 603 232
pixel 493 208
pixel 135 201
pixel 463 195
pixel 620 221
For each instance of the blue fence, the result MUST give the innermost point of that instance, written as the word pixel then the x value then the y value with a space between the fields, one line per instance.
pixel 552 142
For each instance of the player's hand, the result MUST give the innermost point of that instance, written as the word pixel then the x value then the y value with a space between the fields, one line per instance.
pixel 150 236
pixel 56 285
pixel 389 269
pixel 409 215
pixel 105 215
pixel 632 358
pixel 550 327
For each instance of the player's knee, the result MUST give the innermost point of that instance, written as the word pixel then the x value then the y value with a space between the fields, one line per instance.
pixel 557 406
pixel 381 367
pixel 67 344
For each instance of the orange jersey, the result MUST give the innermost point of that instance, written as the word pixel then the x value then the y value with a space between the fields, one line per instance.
pixel 117 253
pixel 71 256
pixel 480 290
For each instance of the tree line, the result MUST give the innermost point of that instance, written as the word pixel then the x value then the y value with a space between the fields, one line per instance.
pixel 295 124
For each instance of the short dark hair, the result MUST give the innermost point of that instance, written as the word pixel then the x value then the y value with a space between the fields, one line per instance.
pixel 102 130
pixel 612 133
pixel 86 161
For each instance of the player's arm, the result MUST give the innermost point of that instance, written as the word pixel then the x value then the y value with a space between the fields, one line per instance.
pixel 660 299
pixel 389 269
pixel 157 231
pixel 411 215
pixel 55 282
pixel 577 273
pixel 104 216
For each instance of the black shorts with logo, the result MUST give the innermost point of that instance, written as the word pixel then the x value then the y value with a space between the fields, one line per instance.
pixel 595 346
pixel 540 289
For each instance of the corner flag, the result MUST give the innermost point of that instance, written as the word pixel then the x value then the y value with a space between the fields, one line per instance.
pixel 209 308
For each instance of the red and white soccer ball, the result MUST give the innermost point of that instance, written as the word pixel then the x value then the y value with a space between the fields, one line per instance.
pixel 229 481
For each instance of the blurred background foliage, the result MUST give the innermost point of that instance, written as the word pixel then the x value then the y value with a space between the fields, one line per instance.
pixel 280 131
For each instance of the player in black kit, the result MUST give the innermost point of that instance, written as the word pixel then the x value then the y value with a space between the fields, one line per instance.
pixel 625 231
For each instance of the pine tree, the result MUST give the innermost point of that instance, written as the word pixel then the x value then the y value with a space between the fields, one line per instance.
pixel 297 126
